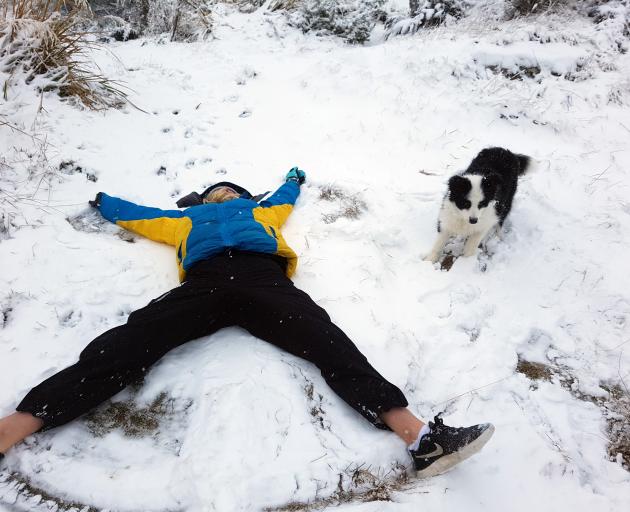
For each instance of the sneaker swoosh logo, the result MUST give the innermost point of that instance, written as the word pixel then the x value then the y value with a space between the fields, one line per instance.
pixel 435 453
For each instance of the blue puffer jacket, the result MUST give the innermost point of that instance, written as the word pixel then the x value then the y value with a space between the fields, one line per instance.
pixel 203 231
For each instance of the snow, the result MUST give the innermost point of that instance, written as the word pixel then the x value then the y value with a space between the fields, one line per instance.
pixel 386 124
pixel 557 58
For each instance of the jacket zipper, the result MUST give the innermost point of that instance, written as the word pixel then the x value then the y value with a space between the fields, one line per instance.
pixel 223 228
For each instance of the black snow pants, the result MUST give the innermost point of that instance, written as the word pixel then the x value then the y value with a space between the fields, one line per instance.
pixel 244 289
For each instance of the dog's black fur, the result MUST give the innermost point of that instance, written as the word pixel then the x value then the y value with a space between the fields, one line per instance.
pixel 500 169
pixel 479 199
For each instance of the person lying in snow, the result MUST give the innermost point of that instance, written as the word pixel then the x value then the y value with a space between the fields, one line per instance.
pixel 235 269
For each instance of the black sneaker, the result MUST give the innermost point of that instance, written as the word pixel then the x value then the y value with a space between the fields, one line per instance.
pixel 446 446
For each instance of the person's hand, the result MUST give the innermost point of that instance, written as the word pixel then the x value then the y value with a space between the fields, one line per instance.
pixel 96 202
pixel 297 175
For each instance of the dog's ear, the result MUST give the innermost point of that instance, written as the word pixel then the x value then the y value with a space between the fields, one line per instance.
pixel 458 186
pixel 490 184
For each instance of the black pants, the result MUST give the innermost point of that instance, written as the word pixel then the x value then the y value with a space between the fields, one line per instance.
pixel 243 289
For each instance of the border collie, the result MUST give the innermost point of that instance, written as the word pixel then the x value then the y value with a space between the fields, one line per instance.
pixel 478 199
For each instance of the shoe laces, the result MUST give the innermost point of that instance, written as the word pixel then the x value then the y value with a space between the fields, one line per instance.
pixel 437 424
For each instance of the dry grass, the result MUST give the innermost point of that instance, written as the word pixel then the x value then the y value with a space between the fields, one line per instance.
pixel 615 407
pixel 618 420
pixel 249 6
pixel 36 498
pixel 192 20
pixel 523 71
pixel 350 206
pixel 534 371
pixel 355 484
pixel 41 43
pixel 134 421
pixel 32 159
pixel 283 5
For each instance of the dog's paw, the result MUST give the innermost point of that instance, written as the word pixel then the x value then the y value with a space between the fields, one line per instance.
pixel 432 257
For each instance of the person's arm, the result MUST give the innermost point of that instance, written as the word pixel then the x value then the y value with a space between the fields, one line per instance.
pixel 153 223
pixel 282 200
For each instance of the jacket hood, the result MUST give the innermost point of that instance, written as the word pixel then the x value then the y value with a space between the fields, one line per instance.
pixel 195 199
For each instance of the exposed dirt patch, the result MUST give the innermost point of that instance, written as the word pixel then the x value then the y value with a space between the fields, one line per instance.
pixel 534 371
pixel 447 262
pixel 522 72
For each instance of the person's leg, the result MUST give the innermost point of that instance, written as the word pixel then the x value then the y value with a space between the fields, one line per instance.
pixel 15 427
pixel 288 318
pixel 403 423
pixel 281 314
pixel 119 357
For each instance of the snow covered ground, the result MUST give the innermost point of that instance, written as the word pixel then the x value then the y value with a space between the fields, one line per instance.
pixel 229 423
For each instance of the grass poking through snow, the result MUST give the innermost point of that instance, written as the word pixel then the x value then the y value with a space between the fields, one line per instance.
pixel 42 44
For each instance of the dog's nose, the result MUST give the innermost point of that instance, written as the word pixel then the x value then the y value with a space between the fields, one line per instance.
pixel 473 220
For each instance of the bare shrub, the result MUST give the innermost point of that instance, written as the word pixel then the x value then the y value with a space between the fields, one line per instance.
pixel 613 19
pixel 181 20
pixel 525 7
pixel 184 20
pixel 41 43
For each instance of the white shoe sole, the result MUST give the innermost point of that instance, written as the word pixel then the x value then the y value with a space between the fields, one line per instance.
pixel 448 461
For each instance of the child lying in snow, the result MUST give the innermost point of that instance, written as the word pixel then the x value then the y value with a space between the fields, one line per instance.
pixel 235 269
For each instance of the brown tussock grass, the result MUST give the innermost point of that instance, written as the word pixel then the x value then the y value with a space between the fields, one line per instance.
pixel 42 43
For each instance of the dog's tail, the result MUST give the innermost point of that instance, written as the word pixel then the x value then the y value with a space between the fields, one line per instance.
pixel 524 163
pixel 503 161
pixel 527 164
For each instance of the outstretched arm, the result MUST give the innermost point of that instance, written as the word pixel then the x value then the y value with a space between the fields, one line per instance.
pixel 282 200
pixel 153 223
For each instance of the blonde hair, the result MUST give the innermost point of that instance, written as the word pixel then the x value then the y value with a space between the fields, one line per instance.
pixel 220 195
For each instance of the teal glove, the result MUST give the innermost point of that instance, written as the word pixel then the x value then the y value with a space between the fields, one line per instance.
pixel 296 175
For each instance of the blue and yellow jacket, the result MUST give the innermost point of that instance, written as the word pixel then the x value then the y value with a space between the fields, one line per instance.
pixel 203 231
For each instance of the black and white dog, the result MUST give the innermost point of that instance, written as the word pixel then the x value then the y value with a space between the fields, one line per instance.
pixel 479 199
